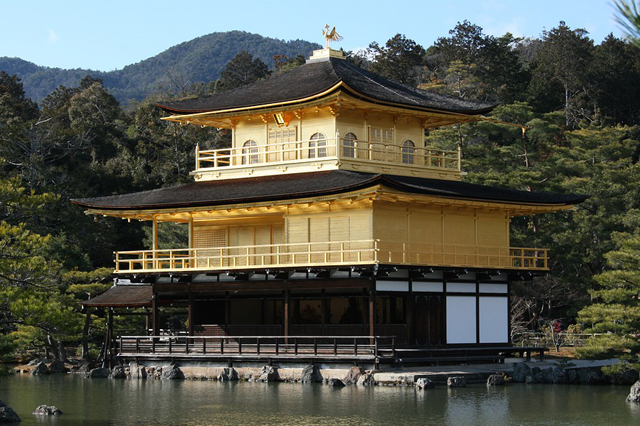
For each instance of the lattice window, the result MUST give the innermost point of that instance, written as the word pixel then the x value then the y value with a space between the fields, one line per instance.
pixel 209 236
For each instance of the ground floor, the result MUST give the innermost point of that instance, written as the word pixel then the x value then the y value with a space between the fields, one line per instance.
pixel 347 314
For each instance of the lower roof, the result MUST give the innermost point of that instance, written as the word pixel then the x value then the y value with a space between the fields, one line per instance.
pixel 305 185
pixel 122 296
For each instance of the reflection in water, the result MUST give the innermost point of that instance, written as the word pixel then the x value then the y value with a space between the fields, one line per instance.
pixel 101 402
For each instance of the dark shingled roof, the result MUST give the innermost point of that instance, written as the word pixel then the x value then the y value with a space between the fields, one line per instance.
pixel 303 185
pixel 122 296
pixel 314 78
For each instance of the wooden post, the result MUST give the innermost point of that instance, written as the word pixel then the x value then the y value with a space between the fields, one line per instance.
pixel 287 296
pixel 109 353
pixel 372 313
pixel 190 310
pixel 155 315
pixel 323 307
pixel 154 243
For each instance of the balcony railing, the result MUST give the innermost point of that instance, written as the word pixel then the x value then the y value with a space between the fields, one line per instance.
pixel 330 253
pixel 314 150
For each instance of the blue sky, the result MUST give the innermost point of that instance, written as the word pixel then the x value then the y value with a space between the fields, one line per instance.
pixel 108 35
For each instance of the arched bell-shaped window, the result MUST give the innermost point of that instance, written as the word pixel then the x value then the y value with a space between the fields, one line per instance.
pixel 408 150
pixel 318 145
pixel 348 145
pixel 250 152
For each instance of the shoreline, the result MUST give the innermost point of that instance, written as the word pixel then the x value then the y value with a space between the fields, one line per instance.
pixel 513 370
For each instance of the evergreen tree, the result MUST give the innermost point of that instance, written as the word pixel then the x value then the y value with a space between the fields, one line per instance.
pixel 242 70
pixel 399 59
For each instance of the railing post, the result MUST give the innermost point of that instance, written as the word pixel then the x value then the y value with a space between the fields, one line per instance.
pixel 186 345
pixel 315 346
pixel 137 345
pixel 153 345
pixel 459 158
pixel 222 345
pixel 204 345
pixel 170 347
pixel 120 343
pixel 355 346
pixel 197 156
pixel 258 346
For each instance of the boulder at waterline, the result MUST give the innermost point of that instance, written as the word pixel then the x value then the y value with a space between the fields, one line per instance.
pixel 40 369
pixel 311 374
pixel 456 382
pixel 118 372
pixel 98 373
pixel 495 380
pixel 172 372
pixel 228 374
pixel 269 374
pixel 7 415
pixel 424 383
pixel 634 393
pixel 354 374
pixel 520 372
pixel 57 367
pixel 366 380
pixel 335 383
pixel 47 410
pixel 137 371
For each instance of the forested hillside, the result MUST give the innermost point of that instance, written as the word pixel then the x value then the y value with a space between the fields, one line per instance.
pixel 199 60
pixel 577 101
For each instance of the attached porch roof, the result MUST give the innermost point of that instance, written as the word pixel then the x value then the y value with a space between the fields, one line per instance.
pixel 320 78
pixel 122 296
pixel 316 184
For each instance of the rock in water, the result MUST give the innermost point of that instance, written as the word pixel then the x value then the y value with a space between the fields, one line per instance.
pixel 495 380
pixel 520 372
pixel 311 374
pixel 57 367
pixel 40 369
pixel 228 374
pixel 336 383
pixel 173 372
pixel 118 372
pixel 456 382
pixel 424 383
pixel 47 410
pixel 269 374
pixel 137 371
pixel 98 373
pixel 7 415
pixel 634 393
pixel 366 380
pixel 353 376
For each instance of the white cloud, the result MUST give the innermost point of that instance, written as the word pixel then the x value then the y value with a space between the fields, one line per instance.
pixel 53 37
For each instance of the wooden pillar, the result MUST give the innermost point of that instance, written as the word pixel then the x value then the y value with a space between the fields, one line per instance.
pixel 409 315
pixel 190 310
pixel 372 312
pixel 227 312
pixel 287 297
pixel 323 308
pixel 154 234
pixel 109 353
pixel 155 315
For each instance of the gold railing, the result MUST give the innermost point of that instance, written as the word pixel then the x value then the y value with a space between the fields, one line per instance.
pixel 332 253
pixel 314 150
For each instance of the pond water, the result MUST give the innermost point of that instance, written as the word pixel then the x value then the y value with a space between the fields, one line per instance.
pixel 97 402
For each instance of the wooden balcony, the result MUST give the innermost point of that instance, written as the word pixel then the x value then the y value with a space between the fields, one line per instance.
pixel 326 154
pixel 329 254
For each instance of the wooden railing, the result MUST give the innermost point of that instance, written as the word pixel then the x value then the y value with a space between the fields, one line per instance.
pixel 317 346
pixel 330 253
pixel 314 150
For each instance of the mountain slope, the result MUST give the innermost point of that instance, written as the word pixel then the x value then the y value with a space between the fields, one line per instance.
pixel 199 60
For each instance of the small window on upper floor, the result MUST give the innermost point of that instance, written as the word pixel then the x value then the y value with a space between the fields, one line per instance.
pixel 408 149
pixel 348 144
pixel 250 152
pixel 318 146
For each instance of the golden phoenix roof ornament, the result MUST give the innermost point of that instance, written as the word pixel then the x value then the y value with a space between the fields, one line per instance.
pixel 330 35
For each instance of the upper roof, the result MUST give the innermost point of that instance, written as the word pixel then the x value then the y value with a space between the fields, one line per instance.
pixel 320 78
pixel 304 185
